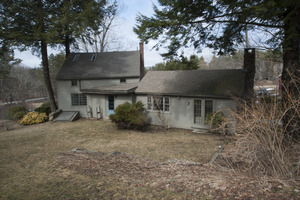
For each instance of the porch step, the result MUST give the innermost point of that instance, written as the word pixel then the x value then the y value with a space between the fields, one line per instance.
pixel 198 130
pixel 67 116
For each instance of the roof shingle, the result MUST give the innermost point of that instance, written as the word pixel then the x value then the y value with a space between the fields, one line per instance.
pixel 197 83
pixel 106 65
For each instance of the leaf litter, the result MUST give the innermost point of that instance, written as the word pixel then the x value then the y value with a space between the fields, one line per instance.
pixel 192 179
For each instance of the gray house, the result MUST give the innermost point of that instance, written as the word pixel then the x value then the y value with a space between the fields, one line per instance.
pixel 182 99
pixel 94 84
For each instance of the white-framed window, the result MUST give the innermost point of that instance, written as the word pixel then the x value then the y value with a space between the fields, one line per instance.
pixel 78 100
pixel 158 103
pixel 208 107
pixel 197 111
pixel 202 108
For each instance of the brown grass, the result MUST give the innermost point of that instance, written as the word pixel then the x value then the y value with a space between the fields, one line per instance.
pixel 29 154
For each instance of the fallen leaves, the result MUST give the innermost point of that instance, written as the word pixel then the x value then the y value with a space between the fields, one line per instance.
pixel 191 179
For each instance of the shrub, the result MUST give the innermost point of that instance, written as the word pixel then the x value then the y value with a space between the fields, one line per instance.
pixel 10 113
pixel 267 99
pixel 44 108
pixel 215 120
pixel 264 147
pixel 19 115
pixel 129 116
pixel 33 118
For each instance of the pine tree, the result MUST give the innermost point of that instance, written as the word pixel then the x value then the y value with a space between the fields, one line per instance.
pixel 37 24
pixel 221 25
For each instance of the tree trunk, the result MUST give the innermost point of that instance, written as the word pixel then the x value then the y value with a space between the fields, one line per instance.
pixel 249 65
pixel 291 72
pixel 46 74
pixel 67 45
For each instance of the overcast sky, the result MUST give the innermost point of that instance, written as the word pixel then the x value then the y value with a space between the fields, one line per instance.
pixel 124 30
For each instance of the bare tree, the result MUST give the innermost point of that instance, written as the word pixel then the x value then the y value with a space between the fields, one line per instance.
pixel 103 39
pixel 20 83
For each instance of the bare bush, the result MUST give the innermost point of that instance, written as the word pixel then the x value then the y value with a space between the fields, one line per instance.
pixel 162 117
pixel 262 145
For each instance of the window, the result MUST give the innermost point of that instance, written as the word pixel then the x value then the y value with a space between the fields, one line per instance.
pixel 208 107
pixel 149 103
pixel 166 103
pixel 76 57
pixel 111 102
pixel 78 99
pixel 197 111
pixel 94 56
pixel 74 82
pixel 122 80
pixel 158 103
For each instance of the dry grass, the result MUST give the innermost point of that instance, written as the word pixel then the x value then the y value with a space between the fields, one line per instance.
pixel 29 169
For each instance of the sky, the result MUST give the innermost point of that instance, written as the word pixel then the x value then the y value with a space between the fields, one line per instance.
pixel 124 30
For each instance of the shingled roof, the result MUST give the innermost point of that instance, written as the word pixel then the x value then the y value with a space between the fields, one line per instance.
pixel 127 88
pixel 106 65
pixel 194 83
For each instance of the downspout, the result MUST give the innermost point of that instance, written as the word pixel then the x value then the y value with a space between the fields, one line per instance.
pixel 79 85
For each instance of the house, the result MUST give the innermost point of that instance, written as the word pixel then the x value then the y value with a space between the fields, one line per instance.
pixel 94 84
pixel 183 99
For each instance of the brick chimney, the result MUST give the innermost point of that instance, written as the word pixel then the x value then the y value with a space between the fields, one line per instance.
pixel 142 69
pixel 249 66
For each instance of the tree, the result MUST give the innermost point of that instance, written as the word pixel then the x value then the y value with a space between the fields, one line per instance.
pixel 221 25
pixel 100 39
pixel 268 63
pixel 38 24
pixel 178 64
pixel 79 19
pixel 21 82
pixel 202 64
pixel 7 61
pixel 29 24
pixel 55 63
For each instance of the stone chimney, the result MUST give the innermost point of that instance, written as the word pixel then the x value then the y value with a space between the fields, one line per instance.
pixel 142 65
pixel 249 66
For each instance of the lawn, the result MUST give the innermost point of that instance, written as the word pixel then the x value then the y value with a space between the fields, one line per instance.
pixel 37 161
pixel 89 159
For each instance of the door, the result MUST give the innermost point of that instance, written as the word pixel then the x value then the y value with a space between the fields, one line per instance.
pixel 202 108
pixel 197 112
pixel 111 104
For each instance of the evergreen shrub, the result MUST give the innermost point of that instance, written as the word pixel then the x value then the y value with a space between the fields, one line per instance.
pixel 11 113
pixel 44 108
pixel 129 116
pixel 19 115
